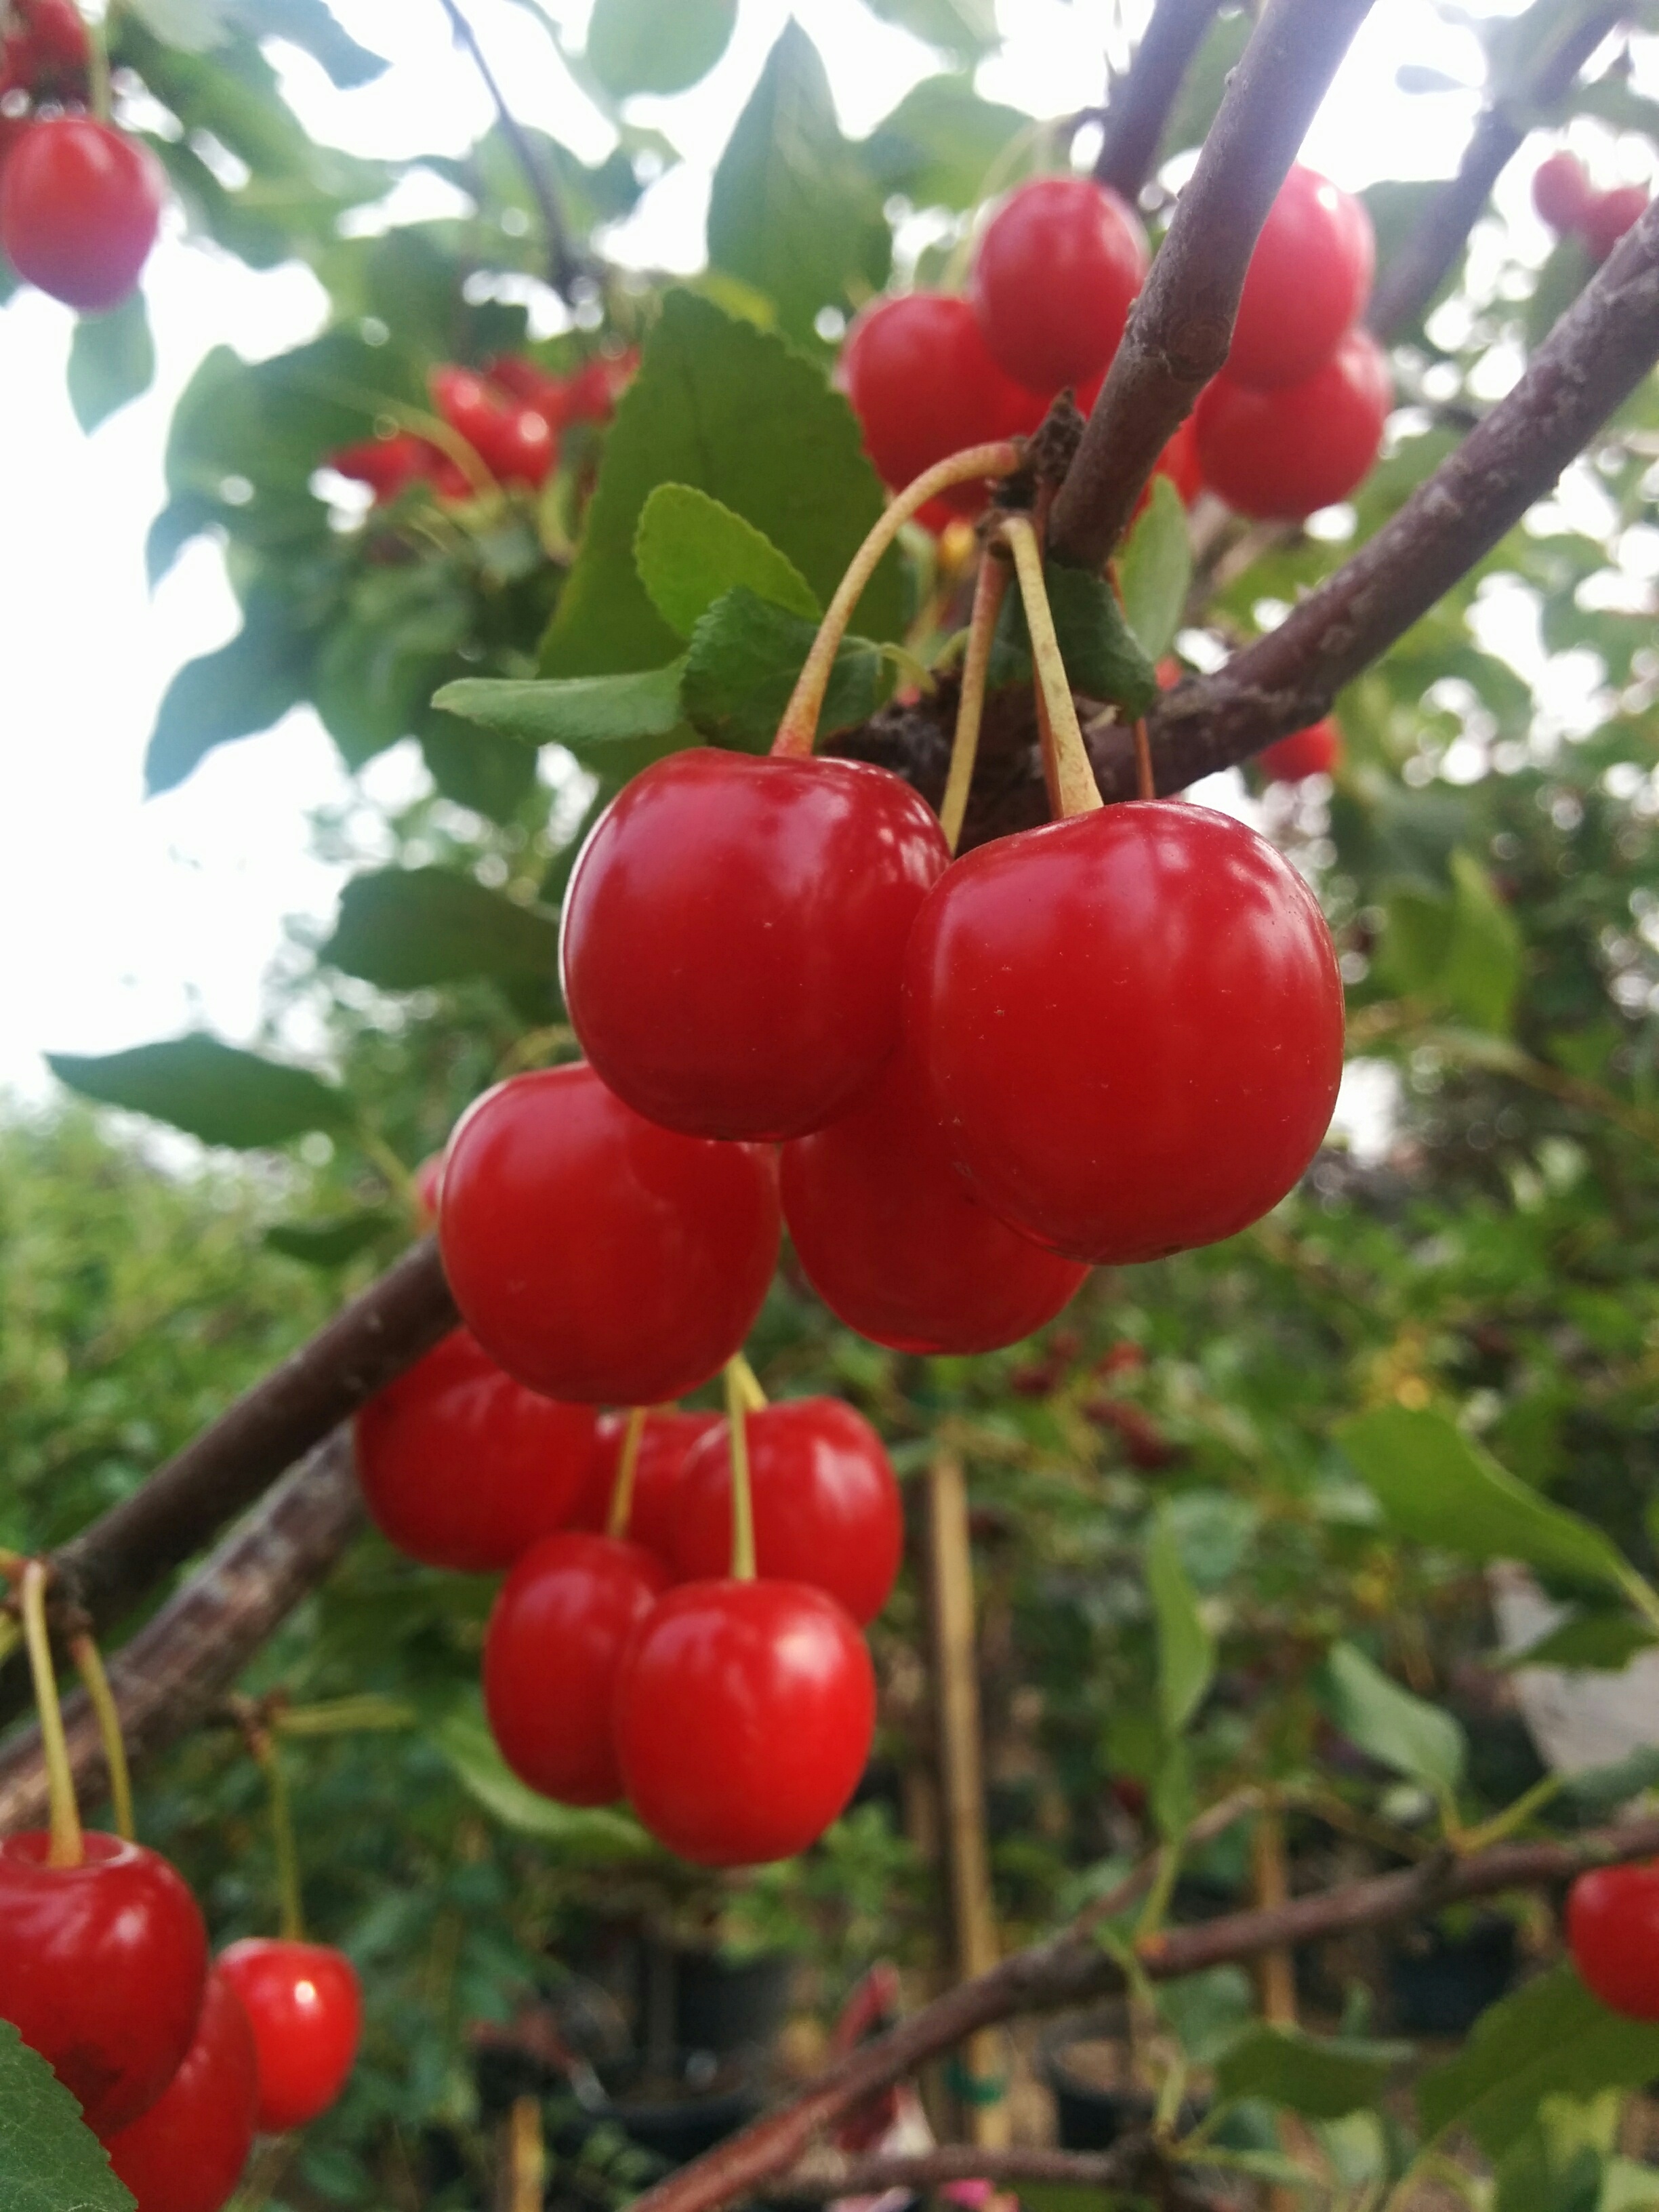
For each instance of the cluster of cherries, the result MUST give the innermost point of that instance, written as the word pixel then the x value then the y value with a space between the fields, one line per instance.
pixel 512 414
pixel 1292 424
pixel 1566 200
pixel 178 2061
pixel 80 202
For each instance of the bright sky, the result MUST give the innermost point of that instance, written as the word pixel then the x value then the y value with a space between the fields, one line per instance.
pixel 124 921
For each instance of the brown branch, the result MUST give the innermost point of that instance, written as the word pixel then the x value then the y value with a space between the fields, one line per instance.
pixel 818 2179
pixel 177 1666
pixel 1180 325
pixel 565 266
pixel 1141 98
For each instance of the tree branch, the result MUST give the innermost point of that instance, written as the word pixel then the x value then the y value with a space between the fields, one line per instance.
pixel 818 2179
pixel 564 264
pixel 1141 98
pixel 1181 325
pixel 177 1666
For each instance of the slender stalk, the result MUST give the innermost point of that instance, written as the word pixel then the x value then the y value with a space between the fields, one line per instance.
pixel 1146 782
pixel 989 587
pixel 89 1663
pixel 65 1849
pixel 1074 779
pixel 754 1397
pixel 743 1503
pixel 98 85
pixel 282 1836
pixel 627 1464
pixel 564 264
pixel 798 728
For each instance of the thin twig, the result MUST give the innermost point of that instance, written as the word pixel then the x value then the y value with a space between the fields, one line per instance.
pixel 1140 100
pixel 565 266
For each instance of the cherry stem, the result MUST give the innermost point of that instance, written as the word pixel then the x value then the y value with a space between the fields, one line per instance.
pixel 1073 789
pixel 89 1663
pixel 754 1397
pixel 282 1836
pixel 739 1379
pixel 989 588
pixel 98 68
pixel 627 1464
pixel 799 729
pixel 65 1849
pixel 1146 782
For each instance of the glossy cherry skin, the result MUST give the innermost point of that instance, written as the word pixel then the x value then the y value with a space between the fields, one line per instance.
pixel 744 1718
pixel 1053 277
pixel 1562 192
pixel 1308 281
pixel 44 52
pixel 387 465
pixel 79 208
pixel 101 1969
pixel 665 1441
pixel 557 1635
pixel 187 2152
pixel 827 1505
pixel 733 938
pixel 462 1467
pixel 1313 751
pixel 598 1257
pixel 895 1243
pixel 1283 454
pixel 305 2005
pixel 1613 1932
pixel 515 441
pixel 1609 216
pixel 1131 1026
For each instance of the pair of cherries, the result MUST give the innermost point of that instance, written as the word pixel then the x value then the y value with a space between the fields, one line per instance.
pixel 1566 200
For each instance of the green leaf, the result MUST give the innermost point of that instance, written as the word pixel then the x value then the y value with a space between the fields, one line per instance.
pixel 1595 1791
pixel 1323 2077
pixel 793 210
pixel 1480 975
pixel 941 144
pixel 639 46
pixel 1206 2010
pixel 111 360
pixel 1103 660
pixel 235 692
pixel 1186 1649
pixel 1438 1488
pixel 961 26
pixel 50 2159
pixel 307 23
pixel 730 409
pixel 1604 1641
pixel 1388 1723
pixel 212 1090
pixel 1549 2039
pixel 331 1243
pixel 745 655
pixel 467 1745
pixel 689 549
pixel 587 715
pixel 1155 570
pixel 403 929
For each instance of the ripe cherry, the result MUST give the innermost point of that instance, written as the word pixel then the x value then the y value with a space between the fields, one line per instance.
pixel 743 1717
pixel 515 442
pixel 187 2152
pixel 462 1467
pixel 44 52
pixel 79 207
pixel 826 1505
pixel 1562 192
pixel 896 1244
pixel 1283 454
pixel 1609 216
pixel 1308 279
pixel 428 1179
pixel 1613 1932
pixel 734 933
pixel 1131 1026
pixel 595 1255
pixel 305 2007
pixel 1313 751
pixel 1053 277
pixel 664 1441
pixel 101 1969
pixel 592 392
pixel 387 465
pixel 555 1637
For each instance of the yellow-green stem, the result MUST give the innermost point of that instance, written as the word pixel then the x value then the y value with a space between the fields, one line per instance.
pixel 800 726
pixel 98 68
pixel 628 1465
pixel 64 1849
pixel 1076 791
pixel 989 587
pixel 89 1663
pixel 754 1396
pixel 742 1503
pixel 282 1836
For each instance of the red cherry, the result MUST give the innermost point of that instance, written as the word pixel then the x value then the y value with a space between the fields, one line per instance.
pixel 1561 191
pixel 530 384
pixel 79 207
pixel 555 1637
pixel 462 1467
pixel 1609 216
pixel 1131 1023
pixel 1613 1932
pixel 45 53
pixel 1053 277
pixel 387 465
pixel 591 395
pixel 743 1717
pixel 896 1244
pixel 428 1182
pixel 1309 279
pixel 515 443
pixel 664 1441
pixel 827 1508
pixel 734 933
pixel 101 1969
pixel 1313 751
pixel 187 2152
pixel 598 1257
pixel 305 2007
pixel 1280 455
